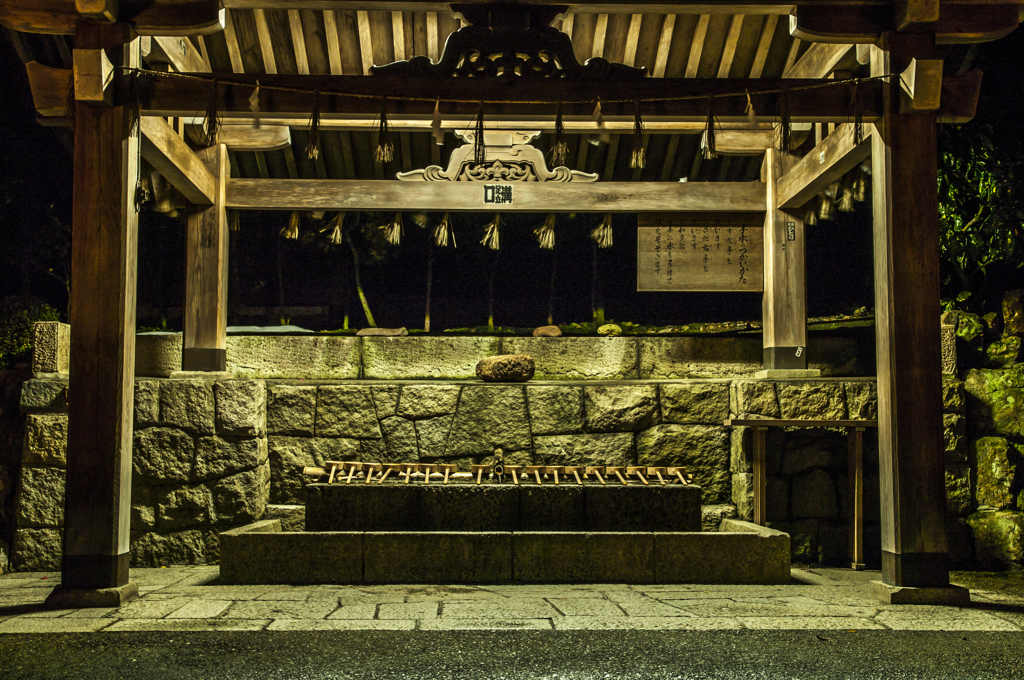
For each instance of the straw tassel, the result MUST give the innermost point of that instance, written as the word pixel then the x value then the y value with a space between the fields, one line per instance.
pixel 845 202
pixel 292 230
pixel 709 131
pixel 435 125
pixel 313 149
pixel 211 123
pixel 545 233
pixel 858 114
pixel 479 148
pixel 335 235
pixel 385 152
pixel 602 234
pixel 785 131
pixel 393 230
pixel 559 147
pixel 443 231
pixel 492 234
pixel 639 157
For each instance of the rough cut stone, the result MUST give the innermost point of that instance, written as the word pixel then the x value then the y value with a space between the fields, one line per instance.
pixel 346 411
pixel 382 332
pixel 814 496
pixel 291 409
pixel 241 408
pixel 188 404
pixel 610 329
pixel 489 417
pixel 958 490
pixel 743 495
pixel 385 400
pixel 427 401
pixel 505 368
pixel 695 402
pixel 429 358
pixel 242 498
pixel 342 449
pixel 44 396
pixel 1013 312
pixel 585 449
pixel 41 501
pixel 620 408
pixel 711 516
pixel 999 538
pixel 143 517
pixel 996 463
pixel 699 357
pixel 954 434
pixel 400 440
pixel 293 357
pixel 432 436
pixel 998 404
pixel 756 398
pixel 147 403
pixel 292 517
pixel 159 550
pixel 219 457
pixel 1003 352
pixel 288 455
pixel 51 347
pixel 702 449
pixel 36 550
pixel 162 455
pixel 46 440
pixel 824 400
pixel 185 506
pixel 578 358
pixel 947 344
pixel 157 355
pixel 861 400
pixel 547 332
pixel 555 409
pixel 953 395
pixel 807 450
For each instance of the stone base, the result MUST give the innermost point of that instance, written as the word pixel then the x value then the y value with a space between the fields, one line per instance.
pixel 950 596
pixel 202 375
pixel 62 598
pixel 787 373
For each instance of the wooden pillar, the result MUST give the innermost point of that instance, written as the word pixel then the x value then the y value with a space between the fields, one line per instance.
pixel 204 346
pixel 784 304
pixel 906 271
pixel 100 395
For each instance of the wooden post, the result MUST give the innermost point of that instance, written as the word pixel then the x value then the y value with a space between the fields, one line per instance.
pixel 760 475
pixel 204 345
pixel 784 303
pixel 855 462
pixel 97 501
pixel 906 270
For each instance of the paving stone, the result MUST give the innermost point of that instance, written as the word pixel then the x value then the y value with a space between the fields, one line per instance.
pixel 300 594
pixel 646 606
pixel 555 409
pixel 340 624
pixel 355 611
pixel 585 607
pixel 735 609
pixel 279 609
pixel 182 625
pixel 148 608
pixel 557 591
pixel 510 608
pixel 926 617
pixel 643 623
pixel 413 610
pixel 61 625
pixel 808 623
pixel 485 624
pixel 201 609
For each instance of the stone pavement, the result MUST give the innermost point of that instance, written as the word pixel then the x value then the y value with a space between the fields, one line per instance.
pixel 189 599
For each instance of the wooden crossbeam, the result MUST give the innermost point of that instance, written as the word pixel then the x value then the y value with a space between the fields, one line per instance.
pixel 171 157
pixel 179 53
pixel 154 17
pixel 820 60
pixel 825 164
pixel 249 138
pixel 286 194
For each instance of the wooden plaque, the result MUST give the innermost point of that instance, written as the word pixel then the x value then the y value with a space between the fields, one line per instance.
pixel 718 255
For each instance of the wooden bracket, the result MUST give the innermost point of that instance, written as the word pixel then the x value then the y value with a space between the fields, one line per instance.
pixel 909 15
pixel 921 83
pixel 97 10
pixel 93 74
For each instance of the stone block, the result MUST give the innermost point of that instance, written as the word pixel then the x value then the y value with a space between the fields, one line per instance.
pixel 288 456
pixel 427 401
pixel 946 596
pixel 293 357
pixel 364 507
pixel 385 400
pixel 552 508
pixel 147 403
pixel 756 398
pixel 291 409
pixel 711 516
pixel 803 539
pixel 184 506
pixel 468 507
pixel 157 355
pixel 741 449
pixel 5 557
pixel 958 491
pixel 44 396
pixel 400 440
pixel 740 553
pixel 432 436
pixel 221 457
pixel 255 557
pixel 814 496
pixel 997 461
pixel 99 598
pixel 999 538
pixel 188 405
pixel 292 517
pixel 555 409
pixel 954 436
pixel 506 368
pixel 241 408
pixel 563 557
pixel 41 498
pixel 566 358
pixel 620 408
pixel 46 440
pixel 695 402
pixel 1004 352
pixel 143 513
pixel 152 549
pixel 636 508
pixel 953 396
pixel 448 557
pixel 703 450
pixel 36 550
pixel 243 497
pixel 807 399
pixel 861 400
pixel 341 448
pixel 614 448
pixel 51 347
pixel 743 495
pixel 162 455
pixel 489 417
pixel 430 358
pixel 1013 312
pixel 346 411
pixel 947 344
pixel 996 405
pixel 699 357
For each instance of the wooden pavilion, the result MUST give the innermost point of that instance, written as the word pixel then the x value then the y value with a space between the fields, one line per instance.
pixel 773 70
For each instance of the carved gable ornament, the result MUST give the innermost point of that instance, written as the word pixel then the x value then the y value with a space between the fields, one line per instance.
pixel 509 157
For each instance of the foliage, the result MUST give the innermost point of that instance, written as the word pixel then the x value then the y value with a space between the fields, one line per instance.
pixel 17 314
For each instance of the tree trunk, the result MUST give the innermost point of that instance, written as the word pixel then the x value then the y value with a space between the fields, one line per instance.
pixel 430 282
pixel 551 289
pixel 596 301
pixel 359 285
pixel 280 284
pixel 490 292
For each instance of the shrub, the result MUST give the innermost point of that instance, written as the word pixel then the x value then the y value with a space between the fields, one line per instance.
pixel 17 315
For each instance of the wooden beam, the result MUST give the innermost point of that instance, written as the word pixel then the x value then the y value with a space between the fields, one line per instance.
pixel 819 60
pixel 729 49
pixel 784 303
pixel 234 53
pixel 171 157
pixel 911 15
pixel 764 45
pixel 333 45
pixel 97 10
pixel 632 37
pixel 266 42
pixel 741 142
pixel 617 7
pixel 46 84
pixel 365 42
pixel 906 276
pixel 664 46
pixel 697 46
pixel 921 83
pixel 93 74
pixel 600 35
pixel 398 35
pixel 298 41
pixel 283 194
pixel 967 21
pixel 204 319
pixel 825 164
pixel 154 17
pixel 248 138
pixel 179 53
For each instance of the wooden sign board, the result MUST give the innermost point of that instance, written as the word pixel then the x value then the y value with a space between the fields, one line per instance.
pixel 682 254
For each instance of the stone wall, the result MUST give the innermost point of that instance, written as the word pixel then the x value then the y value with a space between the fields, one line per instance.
pixel 12 432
